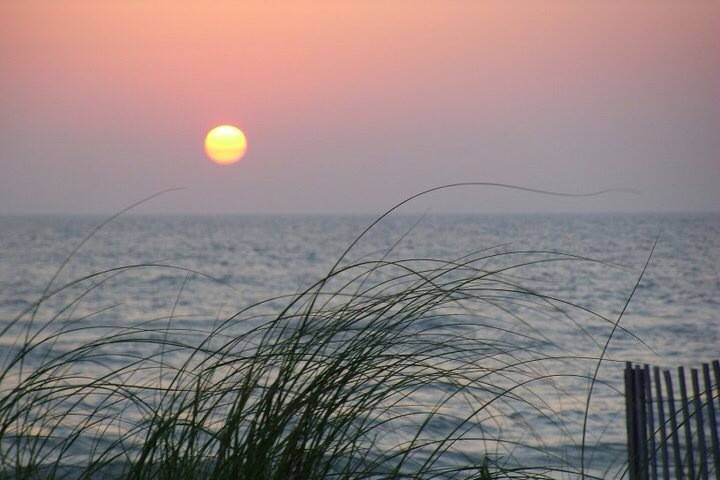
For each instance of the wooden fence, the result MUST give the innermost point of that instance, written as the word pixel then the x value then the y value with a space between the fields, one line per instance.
pixel 672 432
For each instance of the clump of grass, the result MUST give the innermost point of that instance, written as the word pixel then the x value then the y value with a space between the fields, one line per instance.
pixel 362 375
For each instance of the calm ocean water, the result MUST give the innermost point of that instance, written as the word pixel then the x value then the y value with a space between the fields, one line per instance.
pixel 675 310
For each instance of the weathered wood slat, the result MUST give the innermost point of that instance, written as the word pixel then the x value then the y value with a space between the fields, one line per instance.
pixel 684 402
pixel 661 422
pixel 675 433
pixel 641 404
pixel 702 446
pixel 631 421
pixel 651 423
pixel 710 403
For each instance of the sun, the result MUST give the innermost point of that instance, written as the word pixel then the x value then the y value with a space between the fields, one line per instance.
pixel 225 144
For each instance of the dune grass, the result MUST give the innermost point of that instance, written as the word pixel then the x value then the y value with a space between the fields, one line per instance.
pixel 408 368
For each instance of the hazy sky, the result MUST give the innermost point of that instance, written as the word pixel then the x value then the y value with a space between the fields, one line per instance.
pixel 351 106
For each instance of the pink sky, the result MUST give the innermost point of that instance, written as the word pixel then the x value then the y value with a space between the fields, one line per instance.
pixel 351 106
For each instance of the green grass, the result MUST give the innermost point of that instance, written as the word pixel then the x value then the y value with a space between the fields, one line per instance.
pixel 362 375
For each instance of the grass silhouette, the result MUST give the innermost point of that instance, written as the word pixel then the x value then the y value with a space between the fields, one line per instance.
pixel 361 375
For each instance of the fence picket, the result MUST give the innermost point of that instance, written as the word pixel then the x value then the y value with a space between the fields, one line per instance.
pixel 675 433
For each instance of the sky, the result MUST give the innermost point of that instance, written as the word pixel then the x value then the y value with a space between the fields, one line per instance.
pixel 349 107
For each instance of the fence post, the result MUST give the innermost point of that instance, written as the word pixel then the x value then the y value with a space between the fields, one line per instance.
pixel 630 420
pixel 699 424
pixel 675 433
pixel 686 420
pixel 712 419
pixel 661 421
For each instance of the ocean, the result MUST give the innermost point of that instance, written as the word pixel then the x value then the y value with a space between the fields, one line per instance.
pixel 196 271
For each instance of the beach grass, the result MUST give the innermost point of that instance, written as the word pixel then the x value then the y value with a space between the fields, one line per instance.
pixel 403 368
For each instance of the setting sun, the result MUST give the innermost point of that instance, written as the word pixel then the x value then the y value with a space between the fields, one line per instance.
pixel 225 144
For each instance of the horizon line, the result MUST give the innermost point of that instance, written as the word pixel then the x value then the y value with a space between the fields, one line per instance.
pixel 362 213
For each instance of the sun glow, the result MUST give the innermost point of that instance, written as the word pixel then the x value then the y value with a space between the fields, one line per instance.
pixel 225 144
